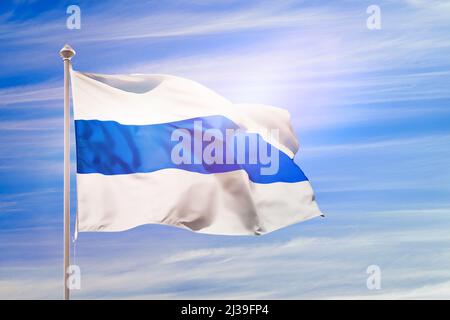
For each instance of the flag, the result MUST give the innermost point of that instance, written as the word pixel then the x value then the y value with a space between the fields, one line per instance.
pixel 160 149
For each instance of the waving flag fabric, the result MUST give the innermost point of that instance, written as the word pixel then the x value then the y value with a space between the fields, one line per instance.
pixel 167 150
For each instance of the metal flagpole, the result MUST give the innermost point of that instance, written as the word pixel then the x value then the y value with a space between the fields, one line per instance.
pixel 66 54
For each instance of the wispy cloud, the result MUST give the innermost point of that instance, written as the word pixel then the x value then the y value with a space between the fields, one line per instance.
pixel 391 165
pixel 300 267
pixel 31 125
pixel 43 92
pixel 438 142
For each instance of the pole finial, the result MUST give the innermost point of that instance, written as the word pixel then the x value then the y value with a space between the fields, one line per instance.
pixel 67 52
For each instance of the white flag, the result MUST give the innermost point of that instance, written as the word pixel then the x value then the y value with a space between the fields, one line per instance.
pixel 166 150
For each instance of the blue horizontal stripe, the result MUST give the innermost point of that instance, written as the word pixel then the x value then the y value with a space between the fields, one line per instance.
pixel 110 148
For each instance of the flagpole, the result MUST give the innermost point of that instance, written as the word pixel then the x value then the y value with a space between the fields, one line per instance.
pixel 66 54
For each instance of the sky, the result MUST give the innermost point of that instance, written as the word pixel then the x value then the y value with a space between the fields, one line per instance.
pixel 371 109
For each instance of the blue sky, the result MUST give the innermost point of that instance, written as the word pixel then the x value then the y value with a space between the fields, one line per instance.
pixel 371 109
